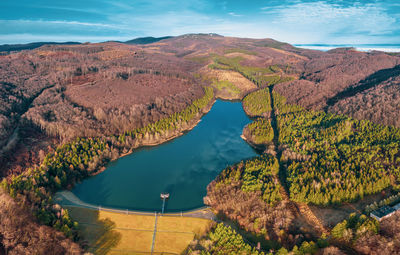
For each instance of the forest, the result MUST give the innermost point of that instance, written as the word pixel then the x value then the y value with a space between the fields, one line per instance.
pixel 259 131
pixel 71 91
pixel 85 105
pixel 257 103
pixel 225 240
pixel 368 236
pixel 75 160
pixel 328 159
pixel 257 175
pixel 349 159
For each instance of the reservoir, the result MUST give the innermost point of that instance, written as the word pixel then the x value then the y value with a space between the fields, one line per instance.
pixel 182 167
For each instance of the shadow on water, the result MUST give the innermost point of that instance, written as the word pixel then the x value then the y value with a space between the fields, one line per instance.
pixel 99 235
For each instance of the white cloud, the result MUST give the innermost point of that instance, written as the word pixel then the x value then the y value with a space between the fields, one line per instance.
pixel 59 27
pixel 294 22
pixel 27 38
pixel 321 21
pixel 235 15
pixel 26 22
pixel 77 23
pixel 173 23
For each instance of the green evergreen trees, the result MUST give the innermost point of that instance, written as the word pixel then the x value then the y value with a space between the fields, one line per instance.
pixel 257 103
pixel 261 131
pixel 336 158
pixel 255 175
pixel 354 227
pixel 75 160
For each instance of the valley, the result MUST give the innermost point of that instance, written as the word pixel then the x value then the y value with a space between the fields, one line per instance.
pixel 323 126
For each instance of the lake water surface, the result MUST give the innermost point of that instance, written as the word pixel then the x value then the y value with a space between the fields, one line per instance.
pixel 183 167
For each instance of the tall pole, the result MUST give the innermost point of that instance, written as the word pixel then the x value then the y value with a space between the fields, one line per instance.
pixel 163 196
pixel 163 204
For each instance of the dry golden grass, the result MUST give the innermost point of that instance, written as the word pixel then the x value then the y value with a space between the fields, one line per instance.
pixel 236 78
pixel 115 233
pixel 142 222
pixel 132 240
pixel 172 242
pixel 243 84
pixel 183 224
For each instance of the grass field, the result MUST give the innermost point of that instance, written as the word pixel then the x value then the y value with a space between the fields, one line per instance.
pixel 115 233
pixel 227 86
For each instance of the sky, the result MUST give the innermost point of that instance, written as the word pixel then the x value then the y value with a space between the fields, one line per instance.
pixel 292 21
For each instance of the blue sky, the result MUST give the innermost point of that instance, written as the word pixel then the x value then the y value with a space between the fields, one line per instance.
pixel 294 21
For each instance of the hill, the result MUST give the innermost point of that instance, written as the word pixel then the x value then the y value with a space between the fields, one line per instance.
pixel 83 105
pixel 31 46
pixel 147 40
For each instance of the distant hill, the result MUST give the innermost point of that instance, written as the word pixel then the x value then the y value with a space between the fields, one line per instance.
pixel 147 40
pixel 31 46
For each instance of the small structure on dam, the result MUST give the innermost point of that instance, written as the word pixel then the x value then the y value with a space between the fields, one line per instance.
pixel 164 196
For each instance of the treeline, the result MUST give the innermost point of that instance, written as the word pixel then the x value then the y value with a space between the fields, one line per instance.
pixel 224 240
pixel 281 107
pixel 173 121
pixel 366 235
pixel 74 161
pixel 355 227
pixel 391 200
pixel 69 163
pixel 21 234
pixel 261 76
pixel 386 241
pixel 337 158
pixel 69 111
pixel 254 175
pixel 259 131
pixel 257 103
pixel 248 193
pixel 348 158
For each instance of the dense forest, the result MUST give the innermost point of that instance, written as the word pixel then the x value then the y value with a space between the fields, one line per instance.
pixel 379 104
pixel 225 240
pixel 326 75
pixel 257 103
pixel 249 194
pixel 327 159
pixel 259 131
pixel 75 160
pixel 369 236
pixel 67 110
pixel 21 234
pixel 348 159
pixel 222 240
pixel 257 175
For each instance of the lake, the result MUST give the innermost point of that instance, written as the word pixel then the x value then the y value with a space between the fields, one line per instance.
pixel 182 167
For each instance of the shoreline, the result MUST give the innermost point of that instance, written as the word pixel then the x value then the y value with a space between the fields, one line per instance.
pixel 75 201
pixel 178 133
pixel 175 134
